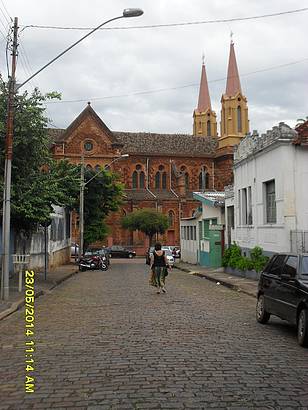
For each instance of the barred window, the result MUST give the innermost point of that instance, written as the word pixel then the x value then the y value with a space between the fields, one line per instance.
pixel 270 201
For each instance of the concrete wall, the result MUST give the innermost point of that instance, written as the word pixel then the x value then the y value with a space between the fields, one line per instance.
pixel 287 164
pixel 58 243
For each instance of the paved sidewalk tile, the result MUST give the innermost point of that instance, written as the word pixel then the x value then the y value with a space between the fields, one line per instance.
pixel 239 284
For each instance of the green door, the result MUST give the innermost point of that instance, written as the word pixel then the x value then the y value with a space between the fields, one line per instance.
pixel 215 248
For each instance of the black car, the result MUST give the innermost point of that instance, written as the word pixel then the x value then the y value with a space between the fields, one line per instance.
pixel 283 292
pixel 98 252
pixel 117 251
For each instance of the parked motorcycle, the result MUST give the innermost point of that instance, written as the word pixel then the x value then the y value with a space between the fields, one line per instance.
pixel 93 262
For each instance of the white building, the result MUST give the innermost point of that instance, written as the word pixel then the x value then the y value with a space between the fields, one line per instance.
pixel 202 239
pixel 270 192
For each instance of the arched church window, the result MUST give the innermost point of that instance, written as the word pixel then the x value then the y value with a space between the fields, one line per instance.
pixel 164 180
pixel 203 179
pixel 207 181
pixel 200 184
pixel 161 178
pixel 135 180
pixel 89 167
pixel 141 180
pixel 157 180
pixel 208 128
pixel 171 218
pixel 186 180
pixel 138 178
pixel 97 168
pixel 239 119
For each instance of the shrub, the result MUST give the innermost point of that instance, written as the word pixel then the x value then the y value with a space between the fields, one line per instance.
pixel 233 257
pixel 259 260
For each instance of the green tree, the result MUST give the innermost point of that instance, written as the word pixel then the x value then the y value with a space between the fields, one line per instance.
pixel 38 181
pixel 104 194
pixel 147 221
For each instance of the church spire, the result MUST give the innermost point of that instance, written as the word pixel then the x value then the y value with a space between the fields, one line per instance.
pixel 233 80
pixel 204 118
pixel 204 101
pixel 234 110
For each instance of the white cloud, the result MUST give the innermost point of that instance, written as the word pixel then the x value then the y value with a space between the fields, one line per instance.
pixel 116 62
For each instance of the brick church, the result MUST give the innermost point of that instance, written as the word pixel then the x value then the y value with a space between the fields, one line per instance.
pixel 162 170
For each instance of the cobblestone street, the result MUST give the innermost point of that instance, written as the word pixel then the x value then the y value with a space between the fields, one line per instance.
pixel 106 340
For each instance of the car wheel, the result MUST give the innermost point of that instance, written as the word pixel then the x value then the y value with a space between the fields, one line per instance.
pixel 261 314
pixel 302 328
pixel 130 255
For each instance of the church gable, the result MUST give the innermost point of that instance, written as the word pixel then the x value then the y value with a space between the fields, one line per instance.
pixel 88 134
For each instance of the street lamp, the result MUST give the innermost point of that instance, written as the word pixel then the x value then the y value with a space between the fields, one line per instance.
pixel 81 207
pixel 6 221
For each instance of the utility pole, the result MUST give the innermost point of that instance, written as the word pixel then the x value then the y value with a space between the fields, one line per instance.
pixel 6 222
pixel 81 209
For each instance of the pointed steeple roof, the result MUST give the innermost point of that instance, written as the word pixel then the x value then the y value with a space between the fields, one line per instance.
pixel 233 80
pixel 204 101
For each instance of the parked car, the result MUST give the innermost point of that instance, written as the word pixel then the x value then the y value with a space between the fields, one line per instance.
pixel 98 252
pixel 117 251
pixel 176 252
pixel 169 256
pixel 167 252
pixel 283 292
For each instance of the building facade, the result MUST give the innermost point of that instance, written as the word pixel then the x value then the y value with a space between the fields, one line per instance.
pixel 202 236
pixel 162 170
pixel 269 205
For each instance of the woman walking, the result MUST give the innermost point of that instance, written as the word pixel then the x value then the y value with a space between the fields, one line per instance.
pixel 159 265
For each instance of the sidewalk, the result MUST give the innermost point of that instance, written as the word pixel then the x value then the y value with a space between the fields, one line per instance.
pixel 218 276
pixel 53 278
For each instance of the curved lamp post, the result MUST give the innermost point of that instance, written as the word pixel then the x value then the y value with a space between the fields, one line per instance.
pixel 81 206
pixel 6 220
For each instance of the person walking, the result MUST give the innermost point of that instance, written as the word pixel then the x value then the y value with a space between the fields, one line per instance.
pixel 159 266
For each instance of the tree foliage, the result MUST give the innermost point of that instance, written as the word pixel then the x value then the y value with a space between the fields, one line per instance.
pixel 147 221
pixel 38 181
pixel 102 195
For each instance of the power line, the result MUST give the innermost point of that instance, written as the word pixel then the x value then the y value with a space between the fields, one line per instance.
pixel 8 14
pixel 176 87
pixel 230 20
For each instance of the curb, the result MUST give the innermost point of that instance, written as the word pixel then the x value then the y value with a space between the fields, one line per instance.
pixel 221 281
pixel 20 303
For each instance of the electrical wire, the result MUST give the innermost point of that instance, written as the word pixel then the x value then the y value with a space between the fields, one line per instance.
pixel 174 24
pixel 176 87
pixel 7 13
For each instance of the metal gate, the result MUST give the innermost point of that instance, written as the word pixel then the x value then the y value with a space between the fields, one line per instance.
pixel 299 241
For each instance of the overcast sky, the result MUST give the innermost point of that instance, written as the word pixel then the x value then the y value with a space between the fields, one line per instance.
pixel 111 66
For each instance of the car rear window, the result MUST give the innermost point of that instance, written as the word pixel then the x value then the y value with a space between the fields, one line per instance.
pixel 275 265
pixel 305 265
